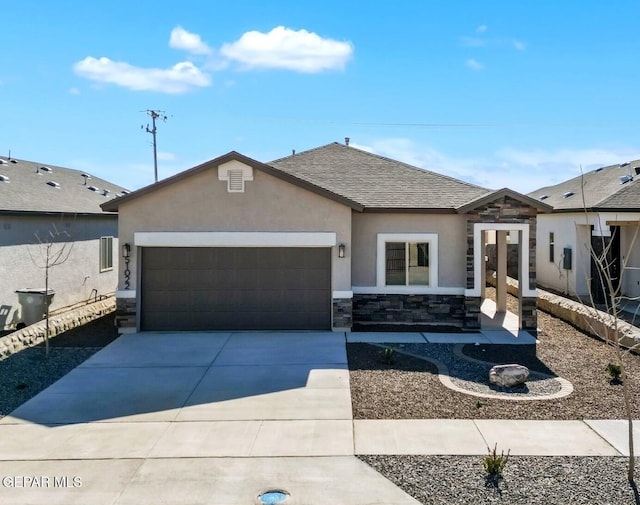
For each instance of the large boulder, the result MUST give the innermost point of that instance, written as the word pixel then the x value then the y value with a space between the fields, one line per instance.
pixel 508 375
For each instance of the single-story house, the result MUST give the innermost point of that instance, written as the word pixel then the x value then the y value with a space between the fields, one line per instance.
pixel 596 211
pixel 328 238
pixel 45 204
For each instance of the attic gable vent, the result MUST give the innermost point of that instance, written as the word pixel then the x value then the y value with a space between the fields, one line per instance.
pixel 235 184
pixel 544 197
pixel 4 178
pixel 568 194
pixel 54 184
pixel 236 174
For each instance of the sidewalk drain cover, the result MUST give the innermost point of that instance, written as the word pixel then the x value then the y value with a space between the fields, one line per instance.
pixel 273 496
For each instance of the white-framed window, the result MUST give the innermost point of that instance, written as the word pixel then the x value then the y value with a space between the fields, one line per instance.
pixel 106 254
pixel 407 259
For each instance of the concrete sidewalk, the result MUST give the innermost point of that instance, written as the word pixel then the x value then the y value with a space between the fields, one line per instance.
pixel 221 417
pixel 473 437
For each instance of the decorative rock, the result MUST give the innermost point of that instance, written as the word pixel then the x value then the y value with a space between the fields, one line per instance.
pixel 508 375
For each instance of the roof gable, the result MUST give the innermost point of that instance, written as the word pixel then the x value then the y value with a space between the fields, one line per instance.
pixel 499 195
pixel 221 160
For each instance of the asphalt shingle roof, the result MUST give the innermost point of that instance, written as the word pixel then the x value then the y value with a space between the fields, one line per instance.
pixel 375 181
pixel 24 188
pixel 603 190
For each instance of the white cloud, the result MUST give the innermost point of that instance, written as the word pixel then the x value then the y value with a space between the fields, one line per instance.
pixel 481 29
pixel 519 169
pixel 74 91
pixel 474 64
pixel 519 45
pixel 180 78
pixel 283 48
pixel 191 42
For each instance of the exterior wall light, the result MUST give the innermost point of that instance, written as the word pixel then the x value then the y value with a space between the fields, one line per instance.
pixel 341 250
pixel 126 250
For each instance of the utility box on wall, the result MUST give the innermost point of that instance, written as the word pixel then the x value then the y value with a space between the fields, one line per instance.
pixel 566 258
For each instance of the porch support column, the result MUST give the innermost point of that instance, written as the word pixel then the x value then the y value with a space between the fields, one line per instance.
pixel 501 271
pixel 483 269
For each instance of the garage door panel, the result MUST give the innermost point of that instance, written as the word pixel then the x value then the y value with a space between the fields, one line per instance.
pixel 236 288
pixel 223 279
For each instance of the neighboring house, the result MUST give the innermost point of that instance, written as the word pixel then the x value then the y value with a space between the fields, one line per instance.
pixel 324 239
pixel 38 200
pixel 599 209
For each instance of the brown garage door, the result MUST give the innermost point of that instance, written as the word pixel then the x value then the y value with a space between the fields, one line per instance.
pixel 235 288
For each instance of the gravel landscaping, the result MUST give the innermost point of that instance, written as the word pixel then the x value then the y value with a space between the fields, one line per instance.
pixel 410 389
pixel 527 480
pixel 29 371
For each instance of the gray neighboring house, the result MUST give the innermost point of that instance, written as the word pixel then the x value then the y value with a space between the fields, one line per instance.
pixel 330 238
pixel 599 209
pixel 36 199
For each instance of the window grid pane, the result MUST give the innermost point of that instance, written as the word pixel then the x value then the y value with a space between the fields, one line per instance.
pixel 418 264
pixel 395 256
pixel 106 253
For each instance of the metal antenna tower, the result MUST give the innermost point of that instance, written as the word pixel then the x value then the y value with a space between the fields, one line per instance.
pixel 155 114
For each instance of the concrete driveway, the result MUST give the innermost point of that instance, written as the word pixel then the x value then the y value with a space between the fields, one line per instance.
pixel 190 418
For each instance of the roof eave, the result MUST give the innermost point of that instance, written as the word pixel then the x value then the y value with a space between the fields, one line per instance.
pixel 408 210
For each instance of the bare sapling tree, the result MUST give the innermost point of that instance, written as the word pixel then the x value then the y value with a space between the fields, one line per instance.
pixel 52 251
pixel 609 275
pixel 610 327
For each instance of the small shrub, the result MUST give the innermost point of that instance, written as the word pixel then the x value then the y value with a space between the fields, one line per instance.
pixel 494 464
pixel 387 356
pixel 615 371
pixel 479 403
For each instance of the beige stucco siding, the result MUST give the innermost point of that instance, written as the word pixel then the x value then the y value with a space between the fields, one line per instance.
pixel 201 203
pixel 452 236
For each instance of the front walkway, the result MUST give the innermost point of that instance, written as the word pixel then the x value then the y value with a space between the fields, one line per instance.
pixel 217 418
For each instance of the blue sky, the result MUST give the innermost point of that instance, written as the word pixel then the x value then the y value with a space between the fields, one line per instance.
pixel 498 93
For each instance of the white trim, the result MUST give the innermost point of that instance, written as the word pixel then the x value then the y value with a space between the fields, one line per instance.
pixel 407 290
pixel 126 293
pixel 235 167
pixel 234 239
pixel 478 228
pixel 342 294
pixel 431 238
